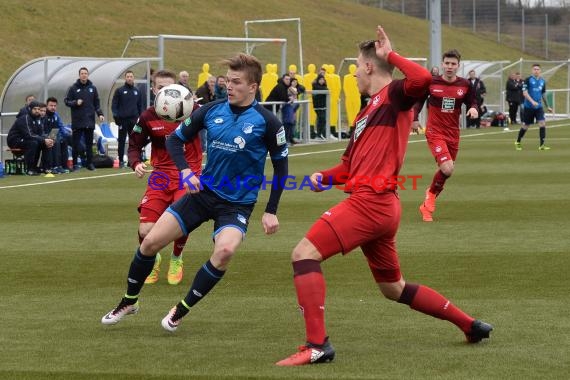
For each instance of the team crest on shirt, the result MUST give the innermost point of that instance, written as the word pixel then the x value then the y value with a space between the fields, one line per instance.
pixel 438 149
pixel 247 128
pixel 376 100
pixel 460 92
pixel 359 127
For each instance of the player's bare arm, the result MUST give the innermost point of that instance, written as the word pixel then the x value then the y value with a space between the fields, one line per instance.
pixel 546 104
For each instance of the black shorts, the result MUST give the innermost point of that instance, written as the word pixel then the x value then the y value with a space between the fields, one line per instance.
pixel 532 114
pixel 194 209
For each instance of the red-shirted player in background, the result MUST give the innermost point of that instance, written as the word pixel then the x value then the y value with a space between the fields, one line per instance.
pixel 447 93
pixel 163 187
pixel 369 217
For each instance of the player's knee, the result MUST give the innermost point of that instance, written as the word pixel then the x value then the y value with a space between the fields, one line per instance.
pixel 305 250
pixel 222 255
pixel 150 245
pixel 144 229
pixel 392 290
pixel 447 168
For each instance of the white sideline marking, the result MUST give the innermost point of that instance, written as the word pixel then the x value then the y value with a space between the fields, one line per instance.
pixel 291 155
pixel 64 180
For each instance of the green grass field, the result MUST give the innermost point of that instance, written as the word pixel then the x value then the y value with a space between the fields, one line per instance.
pixel 498 249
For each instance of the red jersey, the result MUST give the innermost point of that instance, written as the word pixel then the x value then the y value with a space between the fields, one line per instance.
pixel 151 127
pixel 444 106
pixel 376 150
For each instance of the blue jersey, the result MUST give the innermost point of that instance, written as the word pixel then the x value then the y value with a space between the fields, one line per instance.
pixel 238 140
pixel 535 87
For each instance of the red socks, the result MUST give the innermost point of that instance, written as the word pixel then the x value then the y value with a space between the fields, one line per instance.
pixel 179 245
pixel 438 182
pixel 311 290
pixel 430 302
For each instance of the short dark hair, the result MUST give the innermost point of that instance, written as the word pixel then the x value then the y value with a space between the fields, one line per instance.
pixel 248 64
pixel 453 53
pixel 83 68
pixel 51 99
pixel 368 50
pixel 164 74
pixel 536 65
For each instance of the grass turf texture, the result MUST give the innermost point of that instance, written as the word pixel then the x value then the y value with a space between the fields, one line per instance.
pixel 498 249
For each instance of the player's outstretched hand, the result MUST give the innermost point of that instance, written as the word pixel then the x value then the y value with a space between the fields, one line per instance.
pixel 383 45
pixel 270 223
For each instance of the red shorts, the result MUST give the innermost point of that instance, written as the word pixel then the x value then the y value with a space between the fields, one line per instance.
pixel 443 149
pixel 369 221
pixel 156 199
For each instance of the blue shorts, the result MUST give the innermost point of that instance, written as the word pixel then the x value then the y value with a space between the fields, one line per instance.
pixel 531 114
pixel 194 209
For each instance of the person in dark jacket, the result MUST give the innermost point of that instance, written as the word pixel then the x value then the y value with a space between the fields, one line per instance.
pixel 53 121
pixel 514 95
pixel 221 88
pixel 320 105
pixel 26 134
pixel 83 99
pixel 126 107
pixel 478 87
pixel 279 93
pixel 206 91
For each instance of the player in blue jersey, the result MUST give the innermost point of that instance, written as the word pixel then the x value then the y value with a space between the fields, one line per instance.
pixel 533 91
pixel 240 133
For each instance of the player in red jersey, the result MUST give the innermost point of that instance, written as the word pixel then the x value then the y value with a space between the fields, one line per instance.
pixel 447 93
pixel 369 217
pixel 163 184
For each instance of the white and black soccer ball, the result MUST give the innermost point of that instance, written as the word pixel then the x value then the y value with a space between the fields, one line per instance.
pixel 174 102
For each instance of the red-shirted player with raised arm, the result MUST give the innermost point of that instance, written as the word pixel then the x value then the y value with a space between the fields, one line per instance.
pixel 447 93
pixel 369 217
pixel 163 188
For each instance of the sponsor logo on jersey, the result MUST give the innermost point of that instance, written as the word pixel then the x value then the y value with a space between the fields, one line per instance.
pixel 280 136
pixel 247 128
pixel 239 141
pixel 218 120
pixel 447 104
pixel 360 124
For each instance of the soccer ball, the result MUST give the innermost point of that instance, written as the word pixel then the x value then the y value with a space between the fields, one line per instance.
pixel 174 102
